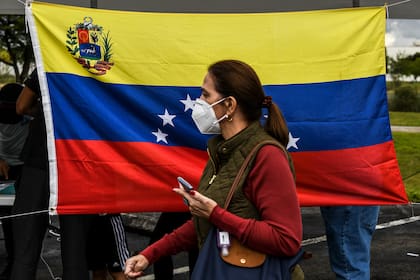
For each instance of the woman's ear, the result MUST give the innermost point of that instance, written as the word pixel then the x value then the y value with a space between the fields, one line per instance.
pixel 231 105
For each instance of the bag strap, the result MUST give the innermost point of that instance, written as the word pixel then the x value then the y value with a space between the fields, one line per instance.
pixel 245 164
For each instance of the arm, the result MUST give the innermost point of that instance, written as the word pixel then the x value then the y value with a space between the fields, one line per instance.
pixel 271 188
pixel 183 238
pixel 26 103
pixel 4 169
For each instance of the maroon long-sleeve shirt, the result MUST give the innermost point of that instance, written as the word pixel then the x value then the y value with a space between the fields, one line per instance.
pixel 270 187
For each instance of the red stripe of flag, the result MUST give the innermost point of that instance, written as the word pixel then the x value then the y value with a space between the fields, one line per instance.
pixel 358 176
pixel 123 176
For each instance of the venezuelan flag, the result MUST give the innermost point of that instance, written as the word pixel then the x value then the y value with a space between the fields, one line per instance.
pixel 118 89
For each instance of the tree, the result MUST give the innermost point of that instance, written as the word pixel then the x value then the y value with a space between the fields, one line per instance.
pixel 15 46
pixel 405 65
pixel 405 100
pixel 414 65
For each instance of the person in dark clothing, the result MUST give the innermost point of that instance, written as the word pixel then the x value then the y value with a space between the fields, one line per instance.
pixel 13 132
pixel 92 242
pixel 107 248
pixel 32 192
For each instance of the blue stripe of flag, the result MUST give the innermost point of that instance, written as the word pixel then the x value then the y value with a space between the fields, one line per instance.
pixel 324 116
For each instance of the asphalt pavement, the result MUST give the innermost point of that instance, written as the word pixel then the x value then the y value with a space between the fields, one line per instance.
pixel 395 245
pixel 394 255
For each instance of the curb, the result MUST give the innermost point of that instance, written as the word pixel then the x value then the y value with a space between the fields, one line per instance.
pixel 410 129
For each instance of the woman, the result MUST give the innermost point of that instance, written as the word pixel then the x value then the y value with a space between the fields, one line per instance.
pixel 264 213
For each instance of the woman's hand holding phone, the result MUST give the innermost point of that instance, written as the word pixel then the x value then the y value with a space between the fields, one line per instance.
pixel 199 205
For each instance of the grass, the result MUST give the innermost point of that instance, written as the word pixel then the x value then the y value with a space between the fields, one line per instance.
pixel 408 152
pixel 408 156
pixel 405 118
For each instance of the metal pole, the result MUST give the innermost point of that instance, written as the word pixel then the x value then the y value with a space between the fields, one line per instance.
pixel 94 3
pixel 356 3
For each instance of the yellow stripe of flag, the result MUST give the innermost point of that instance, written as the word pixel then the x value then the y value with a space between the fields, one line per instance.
pixel 176 48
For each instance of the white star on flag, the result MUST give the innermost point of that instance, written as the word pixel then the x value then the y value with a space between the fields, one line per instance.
pixel 292 142
pixel 167 118
pixel 189 104
pixel 160 136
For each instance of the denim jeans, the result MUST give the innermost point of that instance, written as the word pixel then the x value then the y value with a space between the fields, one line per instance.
pixel 349 231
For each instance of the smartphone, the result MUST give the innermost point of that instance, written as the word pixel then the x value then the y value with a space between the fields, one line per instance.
pixel 187 186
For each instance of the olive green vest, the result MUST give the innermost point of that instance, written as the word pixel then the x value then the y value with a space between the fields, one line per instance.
pixel 226 158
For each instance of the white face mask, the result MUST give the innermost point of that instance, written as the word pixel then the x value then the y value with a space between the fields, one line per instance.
pixel 204 117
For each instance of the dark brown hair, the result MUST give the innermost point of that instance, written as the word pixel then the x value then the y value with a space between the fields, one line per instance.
pixel 238 79
pixel 9 93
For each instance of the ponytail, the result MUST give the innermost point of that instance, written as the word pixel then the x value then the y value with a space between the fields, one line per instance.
pixel 275 124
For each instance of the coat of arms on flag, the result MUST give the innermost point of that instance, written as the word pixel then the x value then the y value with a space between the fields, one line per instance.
pixel 90 46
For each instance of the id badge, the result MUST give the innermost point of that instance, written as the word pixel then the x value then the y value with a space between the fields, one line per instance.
pixel 223 242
